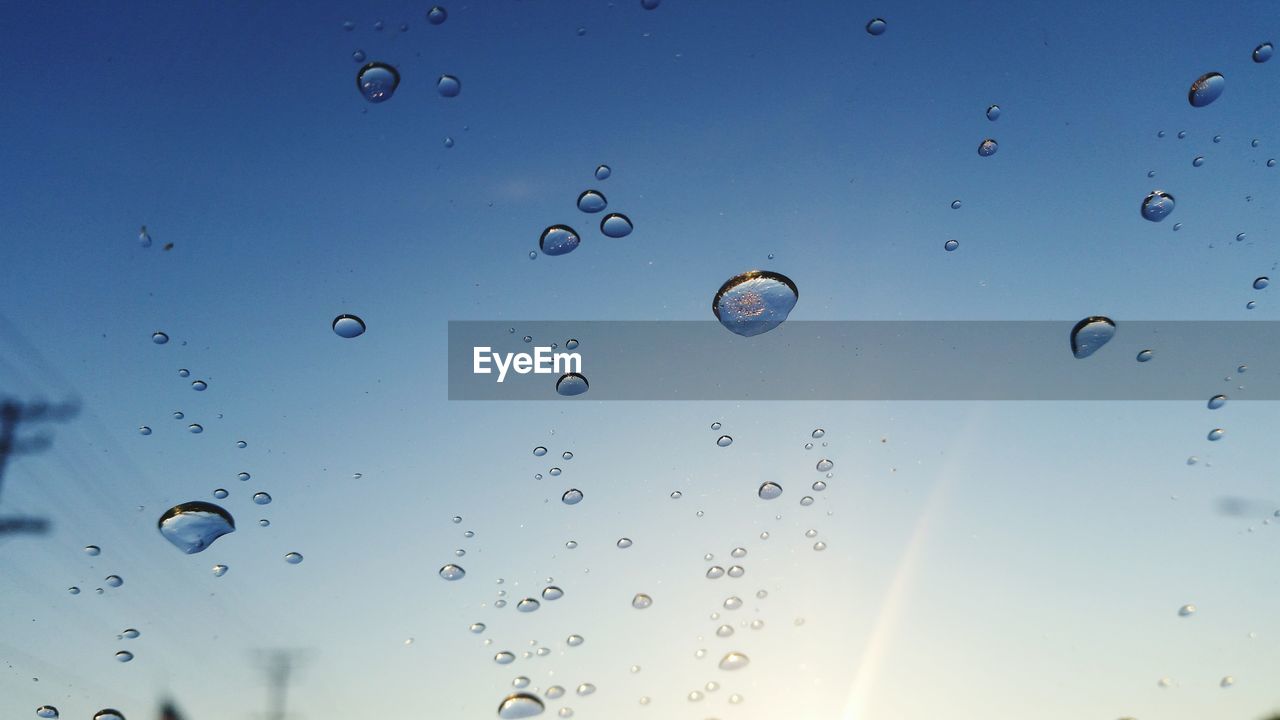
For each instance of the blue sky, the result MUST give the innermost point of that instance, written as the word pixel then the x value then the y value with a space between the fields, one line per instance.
pixel 984 559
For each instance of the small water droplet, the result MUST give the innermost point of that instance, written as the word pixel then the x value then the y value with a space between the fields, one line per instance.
pixel 452 572
pixel 571 344
pixel 1198 161
pixel 1227 681
pixel 877 26
pixel 552 592
pixel 220 494
pixel 993 113
pixel 377 81
pixel 159 337
pixel 724 441
pixel 437 15
pixel 1206 89
pixel 951 245
pixel 1263 52
pixel 293 558
pixel 714 572
pixel 955 204
pixel 586 689
pixel 528 605
pixel 1145 356
pixel 261 498
pixel 624 543
pixel 641 601
pixel 824 465
pixel 558 240
pixel 242 444
pixel 1157 205
pixel 572 496
pixel 988 147
pixel 47 711
pixel 448 86
pixel 219 570
pixel 554 692
pixel 592 201
pixel 195 428
pixel 769 491
pixel 574 640
pixel 505 657
pixel 1187 610
pixel 1217 401
pixel 1261 283
pixel 734 661
pixel 616 225
pixel 1090 334
pixel 124 656
pixel 1216 434
pixel 348 326
pixel 520 705
pixel 603 172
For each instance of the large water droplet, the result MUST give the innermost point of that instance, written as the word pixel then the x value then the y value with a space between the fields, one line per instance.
pixel 988 147
pixel 193 526
pixel 1206 89
pixel 159 338
pixel 1090 334
pixel 505 657
pixel 437 15
pixel 1263 52
pixel 754 302
pixel 552 592
pixel 377 81
pixel 734 661
pixel 571 497
pixel 571 384
pixel 195 428
pixel 520 705
pixel 769 491
pixel 592 201
pixel 114 580
pixel 1261 283
pixel 641 601
pixel 877 26
pixel 448 86
pixel 616 225
pixel 558 240
pixel 348 326
pixel 452 572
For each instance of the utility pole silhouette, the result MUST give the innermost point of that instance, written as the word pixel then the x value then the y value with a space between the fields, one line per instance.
pixel 279 666
pixel 12 414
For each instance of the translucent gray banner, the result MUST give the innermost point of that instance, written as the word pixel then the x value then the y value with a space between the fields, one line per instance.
pixel 864 360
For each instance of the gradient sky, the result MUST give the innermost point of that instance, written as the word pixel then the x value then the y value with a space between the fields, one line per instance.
pixel 983 559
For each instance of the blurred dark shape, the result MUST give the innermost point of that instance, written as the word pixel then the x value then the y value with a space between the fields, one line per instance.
pixel 168 711
pixel 1235 506
pixel 13 414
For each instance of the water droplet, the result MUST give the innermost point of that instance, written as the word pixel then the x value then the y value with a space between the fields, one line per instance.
pixel 754 302
pixel 951 245
pixel 504 657
pixel 1227 681
pixel 193 526
pixel 1216 434
pixel 293 558
pixel 988 147
pixel 724 441
pixel 571 384
pixel 572 496
pixel 47 711
pixel 558 240
pixel 1251 305
pixel 1261 283
pixel 1090 334
pixel 452 572
pixel 819 546
pixel 616 225
pixel 1177 226
pixel 1271 162
pixel 641 601
pixel 264 523
pixel 1157 205
pixel 554 692
pixel 603 172
pixel 571 344
pixel 219 570
pixel 242 444
pixel 1217 401
pixel 574 640
pixel 124 656
pixel 528 605
pixel 220 494
pixel 1263 52
pixel 714 572
pixel 448 142
pixel 1145 356
pixel 195 428
pixel 477 628
pixel 877 26
pixel 159 338
pixel 377 81
pixel 448 86
pixel 734 661
pixel 1187 610
pixel 261 498
pixel 824 465
pixel 554 472
pixel 348 326
pixel 769 491
pixel 592 201
pixel 1206 89
pixel 437 15
pixel 624 543
pixel 1198 161
pixel 539 451
pixel 955 204
pixel 144 430
pixel 586 689
pixel 1182 134
pixel 993 113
